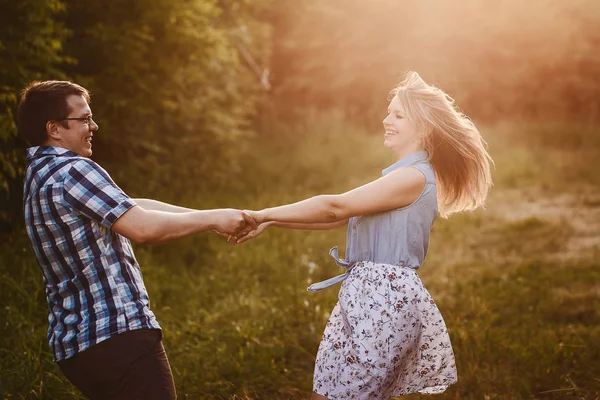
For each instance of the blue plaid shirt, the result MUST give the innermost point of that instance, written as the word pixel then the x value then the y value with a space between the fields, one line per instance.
pixel 93 282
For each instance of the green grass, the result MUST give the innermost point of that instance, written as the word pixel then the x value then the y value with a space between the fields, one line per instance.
pixel 527 332
pixel 523 324
pixel 239 323
pixel 554 156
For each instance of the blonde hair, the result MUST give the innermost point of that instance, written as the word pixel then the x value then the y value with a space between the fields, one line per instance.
pixel 457 152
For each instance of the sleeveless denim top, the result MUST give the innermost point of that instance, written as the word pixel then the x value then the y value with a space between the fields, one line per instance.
pixel 396 237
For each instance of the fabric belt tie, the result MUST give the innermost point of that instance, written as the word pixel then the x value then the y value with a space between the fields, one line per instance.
pixel 315 287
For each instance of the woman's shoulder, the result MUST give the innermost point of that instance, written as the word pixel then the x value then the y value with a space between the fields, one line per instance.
pixel 426 169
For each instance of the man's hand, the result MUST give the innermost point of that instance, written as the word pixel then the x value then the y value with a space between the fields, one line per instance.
pixel 234 222
pixel 257 216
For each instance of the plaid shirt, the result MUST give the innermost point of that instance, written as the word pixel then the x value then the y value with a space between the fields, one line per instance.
pixel 94 285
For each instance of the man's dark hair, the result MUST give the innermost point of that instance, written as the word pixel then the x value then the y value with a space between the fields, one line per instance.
pixel 42 102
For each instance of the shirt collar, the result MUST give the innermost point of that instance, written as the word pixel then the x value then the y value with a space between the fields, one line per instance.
pixel 45 151
pixel 412 158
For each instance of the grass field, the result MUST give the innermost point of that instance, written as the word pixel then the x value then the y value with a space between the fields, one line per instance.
pixel 518 283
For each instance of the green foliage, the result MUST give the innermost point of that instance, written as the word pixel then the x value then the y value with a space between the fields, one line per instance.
pixel 168 82
pixel 170 86
pixel 31 39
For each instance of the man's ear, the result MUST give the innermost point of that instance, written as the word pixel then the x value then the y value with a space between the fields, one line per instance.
pixel 53 130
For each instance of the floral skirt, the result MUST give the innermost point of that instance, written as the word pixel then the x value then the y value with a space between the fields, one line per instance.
pixel 384 338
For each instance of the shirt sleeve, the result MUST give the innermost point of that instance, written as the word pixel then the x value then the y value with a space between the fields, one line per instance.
pixel 91 192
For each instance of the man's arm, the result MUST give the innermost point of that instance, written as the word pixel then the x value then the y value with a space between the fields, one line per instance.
pixel 150 226
pixel 155 205
pixel 90 192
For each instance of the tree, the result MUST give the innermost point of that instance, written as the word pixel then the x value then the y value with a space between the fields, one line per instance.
pixel 30 48
pixel 171 92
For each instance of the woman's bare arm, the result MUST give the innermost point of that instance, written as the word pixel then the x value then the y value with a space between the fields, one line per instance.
pixel 395 190
pixel 312 227
pixel 288 225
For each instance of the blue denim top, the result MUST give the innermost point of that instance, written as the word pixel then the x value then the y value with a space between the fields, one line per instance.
pixel 396 237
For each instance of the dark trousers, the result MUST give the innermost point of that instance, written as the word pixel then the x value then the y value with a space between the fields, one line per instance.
pixel 132 365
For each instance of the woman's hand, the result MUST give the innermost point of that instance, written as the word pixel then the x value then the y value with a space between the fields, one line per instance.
pixel 252 234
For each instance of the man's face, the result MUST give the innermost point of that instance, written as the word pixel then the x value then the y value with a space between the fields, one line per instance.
pixel 77 136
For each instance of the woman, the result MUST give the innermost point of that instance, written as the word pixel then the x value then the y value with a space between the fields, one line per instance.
pixel 385 337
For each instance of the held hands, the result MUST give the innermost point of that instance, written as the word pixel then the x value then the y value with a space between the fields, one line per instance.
pixel 238 230
pixel 250 235
pixel 232 222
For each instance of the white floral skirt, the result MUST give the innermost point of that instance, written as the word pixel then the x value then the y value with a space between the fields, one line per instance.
pixel 384 338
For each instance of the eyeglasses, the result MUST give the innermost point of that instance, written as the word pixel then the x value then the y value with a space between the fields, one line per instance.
pixel 88 120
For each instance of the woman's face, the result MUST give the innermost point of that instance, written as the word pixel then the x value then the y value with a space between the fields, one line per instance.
pixel 401 135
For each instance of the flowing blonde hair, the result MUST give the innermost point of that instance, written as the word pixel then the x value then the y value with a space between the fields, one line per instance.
pixel 457 151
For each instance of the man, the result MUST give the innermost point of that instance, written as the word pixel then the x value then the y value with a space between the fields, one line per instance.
pixel 102 332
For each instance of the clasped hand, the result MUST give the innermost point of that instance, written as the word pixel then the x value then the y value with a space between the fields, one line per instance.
pixel 238 226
